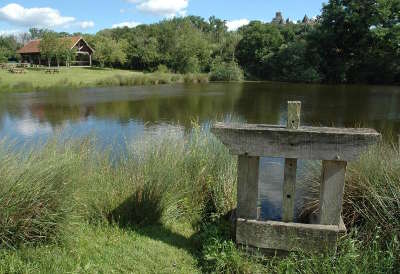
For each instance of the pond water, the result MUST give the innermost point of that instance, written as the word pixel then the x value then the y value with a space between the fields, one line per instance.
pixel 121 113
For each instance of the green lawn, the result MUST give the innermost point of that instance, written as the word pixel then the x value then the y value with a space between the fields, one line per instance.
pixel 108 249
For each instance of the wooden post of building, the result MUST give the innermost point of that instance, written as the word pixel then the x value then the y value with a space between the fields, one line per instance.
pixel 289 183
pixel 90 59
pixel 247 187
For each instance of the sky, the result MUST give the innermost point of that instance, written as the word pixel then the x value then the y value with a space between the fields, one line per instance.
pixel 91 16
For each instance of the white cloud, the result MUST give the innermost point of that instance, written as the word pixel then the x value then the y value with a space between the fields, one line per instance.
pixel 33 17
pixel 131 24
pixel 235 24
pixel 44 17
pixel 166 8
pixel 86 24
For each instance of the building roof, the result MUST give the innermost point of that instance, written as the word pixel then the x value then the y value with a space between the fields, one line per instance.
pixel 33 46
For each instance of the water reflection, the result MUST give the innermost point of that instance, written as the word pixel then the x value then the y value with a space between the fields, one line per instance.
pixel 373 106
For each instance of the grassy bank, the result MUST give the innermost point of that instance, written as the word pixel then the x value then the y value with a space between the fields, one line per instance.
pixel 34 80
pixel 164 207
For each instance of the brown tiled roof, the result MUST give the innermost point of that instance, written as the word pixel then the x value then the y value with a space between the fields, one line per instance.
pixel 33 46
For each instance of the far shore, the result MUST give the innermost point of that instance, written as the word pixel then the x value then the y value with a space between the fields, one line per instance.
pixel 38 80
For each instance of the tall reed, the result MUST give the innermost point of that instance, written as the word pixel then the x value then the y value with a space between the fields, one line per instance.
pixel 372 190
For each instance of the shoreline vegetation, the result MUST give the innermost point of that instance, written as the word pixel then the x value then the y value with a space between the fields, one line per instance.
pixel 67 78
pixel 347 43
pixel 164 206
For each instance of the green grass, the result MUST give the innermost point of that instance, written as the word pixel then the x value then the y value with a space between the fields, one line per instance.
pixel 108 249
pixel 36 80
pixel 164 206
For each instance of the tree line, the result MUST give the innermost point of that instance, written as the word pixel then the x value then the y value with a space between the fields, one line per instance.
pixel 350 42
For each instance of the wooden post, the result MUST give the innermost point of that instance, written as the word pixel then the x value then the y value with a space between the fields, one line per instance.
pixel 90 59
pixel 294 112
pixel 247 187
pixel 332 189
pixel 289 183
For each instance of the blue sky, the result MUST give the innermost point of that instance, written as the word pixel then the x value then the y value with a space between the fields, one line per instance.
pixel 91 16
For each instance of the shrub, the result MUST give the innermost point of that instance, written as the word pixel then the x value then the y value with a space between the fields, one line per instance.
pixel 222 71
pixel 162 69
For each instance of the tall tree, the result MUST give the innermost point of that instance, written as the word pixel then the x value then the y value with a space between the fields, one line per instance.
pixel 109 51
pixel 259 43
pixel 349 32
pixel 49 46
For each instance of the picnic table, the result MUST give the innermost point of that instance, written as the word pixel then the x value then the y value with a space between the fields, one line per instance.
pixel 23 65
pixel 52 70
pixel 17 70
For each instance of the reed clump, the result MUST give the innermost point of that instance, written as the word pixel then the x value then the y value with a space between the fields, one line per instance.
pixel 36 189
pixel 372 191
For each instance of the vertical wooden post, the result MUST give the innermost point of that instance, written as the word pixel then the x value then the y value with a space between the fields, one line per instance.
pixel 332 189
pixel 289 183
pixel 247 187
pixel 294 112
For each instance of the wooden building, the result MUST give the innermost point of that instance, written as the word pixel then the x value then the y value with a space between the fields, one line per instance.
pixel 30 53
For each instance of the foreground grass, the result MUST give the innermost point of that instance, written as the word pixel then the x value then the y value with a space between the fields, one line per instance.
pixel 108 249
pixel 35 80
pixel 163 207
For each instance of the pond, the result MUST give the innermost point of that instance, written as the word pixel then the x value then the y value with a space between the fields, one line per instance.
pixel 121 113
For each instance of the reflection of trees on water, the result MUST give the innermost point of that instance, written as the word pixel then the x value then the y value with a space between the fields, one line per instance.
pixel 372 106
pixel 201 103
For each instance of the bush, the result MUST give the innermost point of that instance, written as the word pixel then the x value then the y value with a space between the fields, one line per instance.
pixel 162 69
pixel 222 71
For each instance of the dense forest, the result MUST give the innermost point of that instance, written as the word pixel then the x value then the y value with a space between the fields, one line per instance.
pixel 350 42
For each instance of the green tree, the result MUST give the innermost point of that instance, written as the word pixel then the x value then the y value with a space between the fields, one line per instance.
pixel 8 47
pixel 291 64
pixel 36 33
pixel 63 52
pixel 259 43
pixel 49 46
pixel 351 39
pixel 108 51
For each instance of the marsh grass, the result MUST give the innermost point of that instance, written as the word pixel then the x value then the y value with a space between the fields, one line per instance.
pixel 37 80
pixel 372 191
pixel 68 206
pixel 161 179
pixel 35 193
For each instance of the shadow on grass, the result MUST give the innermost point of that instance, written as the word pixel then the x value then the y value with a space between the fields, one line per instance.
pixel 142 213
